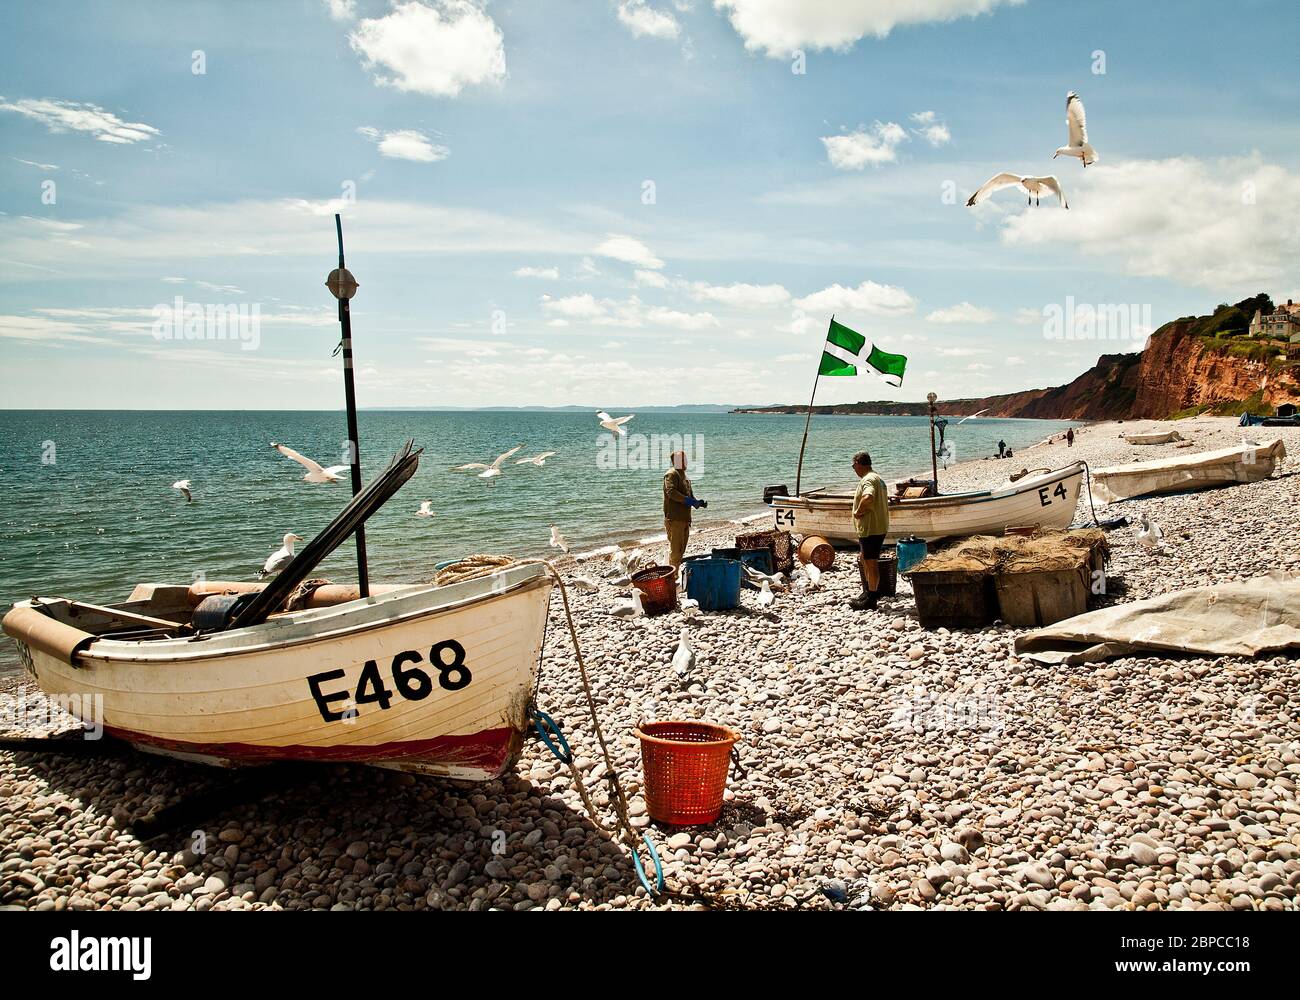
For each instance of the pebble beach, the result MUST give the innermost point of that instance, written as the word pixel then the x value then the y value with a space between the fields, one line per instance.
pixel 897 767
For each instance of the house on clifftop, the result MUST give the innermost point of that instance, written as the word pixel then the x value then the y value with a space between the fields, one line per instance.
pixel 1281 324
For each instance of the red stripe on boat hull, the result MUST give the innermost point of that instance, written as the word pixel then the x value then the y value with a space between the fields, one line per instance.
pixel 490 751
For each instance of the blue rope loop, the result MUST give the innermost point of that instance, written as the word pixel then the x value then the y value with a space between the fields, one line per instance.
pixel 543 722
pixel 658 887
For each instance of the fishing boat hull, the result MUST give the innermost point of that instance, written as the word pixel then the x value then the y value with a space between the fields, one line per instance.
pixel 1155 437
pixel 1047 501
pixel 1245 463
pixel 432 680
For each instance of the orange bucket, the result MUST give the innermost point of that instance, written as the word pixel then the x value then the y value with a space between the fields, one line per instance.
pixel 685 767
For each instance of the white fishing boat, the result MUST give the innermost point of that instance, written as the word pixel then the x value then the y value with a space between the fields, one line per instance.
pixel 435 680
pixel 1243 463
pixel 1045 500
pixel 1154 437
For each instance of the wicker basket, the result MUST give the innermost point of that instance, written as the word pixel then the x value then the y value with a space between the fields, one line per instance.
pixel 685 767
pixel 780 543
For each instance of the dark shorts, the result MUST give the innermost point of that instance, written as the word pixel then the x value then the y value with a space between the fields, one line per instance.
pixel 870 546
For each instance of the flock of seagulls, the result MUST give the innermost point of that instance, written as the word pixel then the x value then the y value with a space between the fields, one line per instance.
pixel 1032 187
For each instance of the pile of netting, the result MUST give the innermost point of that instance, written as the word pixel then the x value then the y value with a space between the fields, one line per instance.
pixel 1043 551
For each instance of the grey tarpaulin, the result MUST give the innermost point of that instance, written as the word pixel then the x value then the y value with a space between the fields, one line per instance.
pixel 1259 617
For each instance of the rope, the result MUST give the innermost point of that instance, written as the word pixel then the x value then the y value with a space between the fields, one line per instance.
pixel 1087 471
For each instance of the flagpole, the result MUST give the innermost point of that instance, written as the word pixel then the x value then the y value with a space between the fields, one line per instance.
pixel 934 457
pixel 344 288
pixel 798 475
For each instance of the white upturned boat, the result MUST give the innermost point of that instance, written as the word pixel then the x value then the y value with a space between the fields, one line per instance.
pixel 1046 500
pixel 1154 437
pixel 1243 463
pixel 435 680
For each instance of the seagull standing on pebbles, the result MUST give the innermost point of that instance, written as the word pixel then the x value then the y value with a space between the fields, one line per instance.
pixel 629 608
pixel 281 557
pixel 583 583
pixel 1078 125
pixel 765 596
pixel 184 486
pixel 614 424
pixel 315 473
pixel 1149 535
pixel 684 657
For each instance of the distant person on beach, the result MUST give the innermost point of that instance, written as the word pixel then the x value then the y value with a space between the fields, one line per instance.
pixel 679 499
pixel 1069 438
pixel 871 521
pixel 1002 449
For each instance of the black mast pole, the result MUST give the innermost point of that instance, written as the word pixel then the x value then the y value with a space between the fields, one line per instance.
pixel 344 287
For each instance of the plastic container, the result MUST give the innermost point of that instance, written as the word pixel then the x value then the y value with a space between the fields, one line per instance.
pixel 714 583
pixel 759 559
pixel 658 586
pixel 911 550
pixel 685 765
pixel 951 599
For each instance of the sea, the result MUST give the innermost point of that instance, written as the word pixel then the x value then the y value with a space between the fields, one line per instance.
pixel 89 509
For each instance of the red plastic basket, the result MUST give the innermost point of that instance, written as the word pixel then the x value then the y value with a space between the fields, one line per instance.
pixel 685 768
pixel 658 586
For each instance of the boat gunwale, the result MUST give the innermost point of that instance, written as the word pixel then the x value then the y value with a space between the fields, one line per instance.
pixel 942 502
pixel 126 650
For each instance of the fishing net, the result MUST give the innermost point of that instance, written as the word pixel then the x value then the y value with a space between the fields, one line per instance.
pixel 1044 551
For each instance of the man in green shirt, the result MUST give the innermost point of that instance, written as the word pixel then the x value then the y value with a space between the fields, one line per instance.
pixel 871 521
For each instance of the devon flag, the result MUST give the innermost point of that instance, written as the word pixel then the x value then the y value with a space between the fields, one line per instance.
pixel 843 353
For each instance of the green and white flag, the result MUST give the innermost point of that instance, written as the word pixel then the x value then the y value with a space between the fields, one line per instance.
pixel 842 355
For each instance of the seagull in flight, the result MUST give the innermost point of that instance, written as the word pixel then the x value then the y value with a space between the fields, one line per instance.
pixel 315 473
pixel 281 557
pixel 424 510
pixel 489 471
pixel 184 486
pixel 538 460
pixel 1032 186
pixel 974 415
pixel 558 540
pixel 614 424
pixel 1078 124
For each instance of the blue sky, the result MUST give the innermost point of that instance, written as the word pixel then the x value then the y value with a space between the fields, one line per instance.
pixel 507 249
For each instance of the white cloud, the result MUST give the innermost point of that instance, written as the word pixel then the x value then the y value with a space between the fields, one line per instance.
pixel 342 10
pixel 630 251
pixel 779 27
pixel 930 128
pixel 1028 317
pixel 978 366
pixel 1218 224
pixel 405 144
pixel 652 279
pixel 857 149
pixel 961 352
pixel 682 320
pixel 962 312
pixel 641 20
pixel 69 116
pixel 740 296
pixel 38 166
pixel 550 273
pixel 1013 359
pixel 629 313
pixel 437 48
pixel 869 297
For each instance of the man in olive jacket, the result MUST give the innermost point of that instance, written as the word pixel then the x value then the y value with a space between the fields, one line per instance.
pixel 679 498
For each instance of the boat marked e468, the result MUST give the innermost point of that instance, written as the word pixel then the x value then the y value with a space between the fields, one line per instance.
pixel 411 682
